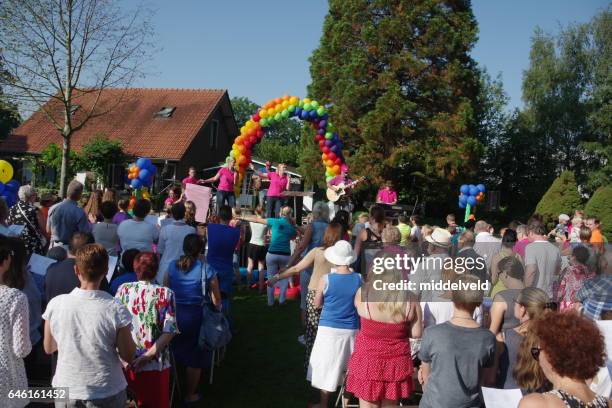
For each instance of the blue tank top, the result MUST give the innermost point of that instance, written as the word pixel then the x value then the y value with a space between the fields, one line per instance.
pixel 339 310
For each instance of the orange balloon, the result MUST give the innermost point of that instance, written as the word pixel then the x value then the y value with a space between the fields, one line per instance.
pixel 285 97
pixel 277 100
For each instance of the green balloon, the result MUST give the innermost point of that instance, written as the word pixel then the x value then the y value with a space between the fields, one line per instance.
pixel 232 154
pixel 314 104
pixel 321 111
pixel 329 135
pixel 301 103
pixel 285 114
pixel 291 108
pixel 307 106
pixel 277 117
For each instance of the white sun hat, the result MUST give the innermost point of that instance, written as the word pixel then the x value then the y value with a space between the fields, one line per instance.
pixel 340 254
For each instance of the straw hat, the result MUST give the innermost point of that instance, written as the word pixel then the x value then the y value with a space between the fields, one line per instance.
pixel 439 237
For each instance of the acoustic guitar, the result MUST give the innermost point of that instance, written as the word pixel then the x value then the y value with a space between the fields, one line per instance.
pixel 340 191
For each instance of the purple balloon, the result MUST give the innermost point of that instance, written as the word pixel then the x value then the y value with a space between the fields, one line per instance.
pixel 323 123
pixel 321 131
pixel 334 148
pixel 328 143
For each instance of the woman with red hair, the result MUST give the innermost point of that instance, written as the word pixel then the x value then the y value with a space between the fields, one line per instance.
pixel 153 326
pixel 570 350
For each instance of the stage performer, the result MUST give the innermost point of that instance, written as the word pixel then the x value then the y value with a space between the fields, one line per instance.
pixel 344 203
pixel 387 195
pixel 227 177
pixel 191 179
pixel 279 182
pixel 261 186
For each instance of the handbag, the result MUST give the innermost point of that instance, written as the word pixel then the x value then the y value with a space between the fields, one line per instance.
pixel 215 329
pixel 41 237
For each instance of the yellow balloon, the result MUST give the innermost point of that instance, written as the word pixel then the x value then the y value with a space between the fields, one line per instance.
pixel 278 108
pixel 243 129
pixel 294 100
pixel 249 124
pixel 285 104
pixel 6 171
pixel 263 113
pixel 306 100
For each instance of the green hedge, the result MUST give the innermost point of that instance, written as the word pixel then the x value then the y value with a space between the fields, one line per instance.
pixel 561 198
pixel 600 206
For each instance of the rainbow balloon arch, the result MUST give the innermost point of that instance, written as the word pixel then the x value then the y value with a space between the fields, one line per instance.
pixel 278 110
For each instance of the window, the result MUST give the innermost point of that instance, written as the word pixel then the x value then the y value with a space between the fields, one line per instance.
pixel 165 112
pixel 214 134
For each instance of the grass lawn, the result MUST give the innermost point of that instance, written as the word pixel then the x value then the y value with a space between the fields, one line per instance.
pixel 263 366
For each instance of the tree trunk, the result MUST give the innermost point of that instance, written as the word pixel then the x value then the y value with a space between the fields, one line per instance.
pixel 65 163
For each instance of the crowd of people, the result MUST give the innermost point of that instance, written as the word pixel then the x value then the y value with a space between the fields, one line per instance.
pixel 520 308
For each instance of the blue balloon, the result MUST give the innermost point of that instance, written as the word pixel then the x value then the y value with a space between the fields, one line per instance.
pixel 304 115
pixel 143 163
pixel 334 148
pixel 136 183
pixel 1 187
pixel 12 186
pixel 461 205
pixel 298 111
pixel 463 199
pixel 481 188
pixel 313 114
pixel 471 201
pixel 473 190
pixel 465 189
pixel 153 169
pixel 144 175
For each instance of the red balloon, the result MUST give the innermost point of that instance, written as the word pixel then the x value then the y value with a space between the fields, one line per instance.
pixel 338 160
pixel 253 139
pixel 256 117
pixel 259 133
pixel 321 143
pixel 332 155
pixel 326 150
pixel 318 137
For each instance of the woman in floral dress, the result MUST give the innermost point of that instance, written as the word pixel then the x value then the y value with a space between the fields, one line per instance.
pixel 153 326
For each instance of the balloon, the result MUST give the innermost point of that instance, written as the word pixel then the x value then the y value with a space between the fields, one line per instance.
pixel 307 100
pixel 153 169
pixel 12 186
pixel 312 114
pixel 293 100
pixel 143 162
pixel 461 205
pixel 331 155
pixel 328 143
pixel 321 111
pixel 6 171
pixel 291 108
pixel 285 114
pixel 144 174
pixel 285 104
pixel 336 169
pixel 136 183
pixel 329 135
pixel 481 188
pixel 344 168
pixel 471 200
pixel 1 187
pixel 304 115
pixel 334 148
pixel 473 190
pixel 465 189
pixel 463 199
pixel 307 106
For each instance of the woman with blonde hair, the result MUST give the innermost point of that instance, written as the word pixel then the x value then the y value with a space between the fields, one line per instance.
pixel 530 304
pixel 110 194
pixel 380 369
pixel 190 212
pixel 315 259
pixel 93 206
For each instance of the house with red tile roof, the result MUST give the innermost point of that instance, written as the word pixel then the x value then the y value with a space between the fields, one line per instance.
pixel 176 128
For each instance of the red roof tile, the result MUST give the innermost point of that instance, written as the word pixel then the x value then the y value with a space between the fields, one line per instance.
pixel 130 120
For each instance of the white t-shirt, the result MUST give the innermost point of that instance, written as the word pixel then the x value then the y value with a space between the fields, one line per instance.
pixel 258 233
pixel 547 258
pixel 137 234
pixel 84 324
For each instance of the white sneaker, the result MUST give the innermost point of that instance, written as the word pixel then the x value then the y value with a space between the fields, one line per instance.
pixel 302 340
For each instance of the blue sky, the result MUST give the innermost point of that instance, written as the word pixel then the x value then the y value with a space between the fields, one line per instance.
pixel 260 49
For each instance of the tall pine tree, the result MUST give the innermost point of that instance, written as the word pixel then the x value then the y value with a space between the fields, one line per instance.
pixel 402 89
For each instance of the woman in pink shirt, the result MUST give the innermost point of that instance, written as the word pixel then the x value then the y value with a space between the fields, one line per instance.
pixel 279 182
pixel 387 195
pixel 227 177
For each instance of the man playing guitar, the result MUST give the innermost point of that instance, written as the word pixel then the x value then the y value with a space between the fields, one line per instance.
pixel 342 185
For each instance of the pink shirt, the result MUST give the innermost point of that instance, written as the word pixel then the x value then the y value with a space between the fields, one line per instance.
pixel 386 196
pixel 226 181
pixel 278 184
pixel 190 180
pixel 339 180
pixel 169 201
pixel 520 246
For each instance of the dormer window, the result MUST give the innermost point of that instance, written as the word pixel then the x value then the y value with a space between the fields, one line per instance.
pixel 165 112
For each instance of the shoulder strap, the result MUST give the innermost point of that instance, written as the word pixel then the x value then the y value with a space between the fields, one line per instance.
pixel 203 277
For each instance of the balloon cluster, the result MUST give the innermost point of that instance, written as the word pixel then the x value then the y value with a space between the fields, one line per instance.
pixel 8 186
pixel 283 108
pixel 471 195
pixel 142 173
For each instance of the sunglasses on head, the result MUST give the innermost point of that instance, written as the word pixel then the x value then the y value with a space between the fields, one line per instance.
pixel 535 353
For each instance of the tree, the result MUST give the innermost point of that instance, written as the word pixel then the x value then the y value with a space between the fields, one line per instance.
pixel 51 157
pixel 64 50
pixel 567 92
pixel 401 86
pixel 600 206
pixel 561 198
pixel 9 115
pixel 100 153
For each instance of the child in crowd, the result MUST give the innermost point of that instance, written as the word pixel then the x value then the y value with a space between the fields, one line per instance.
pixel 90 330
pixel 122 215
pixel 454 353
pixel 574 230
pixel 404 229
pixel 561 230
pixel 172 198
pixel 362 220
pixel 338 324
pixel 128 274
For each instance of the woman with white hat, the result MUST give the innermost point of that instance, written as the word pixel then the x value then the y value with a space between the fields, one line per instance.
pixel 339 321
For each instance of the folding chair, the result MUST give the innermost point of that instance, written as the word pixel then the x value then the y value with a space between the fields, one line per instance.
pixel 341 393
